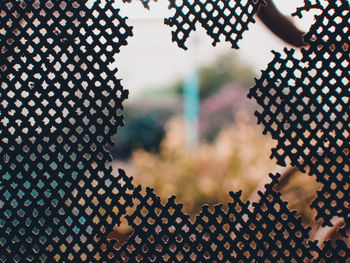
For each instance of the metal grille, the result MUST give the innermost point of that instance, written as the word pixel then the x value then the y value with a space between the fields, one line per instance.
pixel 305 108
pixel 60 104
pixel 228 19
pixel 221 234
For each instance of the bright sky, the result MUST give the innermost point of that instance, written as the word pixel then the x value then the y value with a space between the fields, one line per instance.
pixel 152 60
pixel 160 8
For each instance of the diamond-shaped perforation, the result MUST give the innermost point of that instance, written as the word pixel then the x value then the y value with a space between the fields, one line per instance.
pixel 275 232
pixel 223 20
pixel 220 231
pixel 304 101
pixel 308 5
pixel 60 105
pixel 232 233
pixel 336 252
pixel 162 232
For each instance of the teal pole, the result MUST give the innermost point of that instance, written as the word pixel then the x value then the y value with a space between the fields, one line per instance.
pixel 191 109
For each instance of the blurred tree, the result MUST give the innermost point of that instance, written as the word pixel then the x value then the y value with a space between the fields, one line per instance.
pixel 144 124
pixel 145 119
pixel 224 70
pixel 143 130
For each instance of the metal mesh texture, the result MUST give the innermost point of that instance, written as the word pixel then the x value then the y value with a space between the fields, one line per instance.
pixel 223 20
pixel 163 233
pixel 305 107
pixel 60 104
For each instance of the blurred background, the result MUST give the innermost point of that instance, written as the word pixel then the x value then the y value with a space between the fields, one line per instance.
pixel 190 129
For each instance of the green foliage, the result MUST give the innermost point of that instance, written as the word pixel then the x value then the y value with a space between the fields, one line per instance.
pixel 224 70
pixel 143 130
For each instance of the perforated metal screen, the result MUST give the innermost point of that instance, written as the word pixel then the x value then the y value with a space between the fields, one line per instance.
pixel 305 104
pixel 61 102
